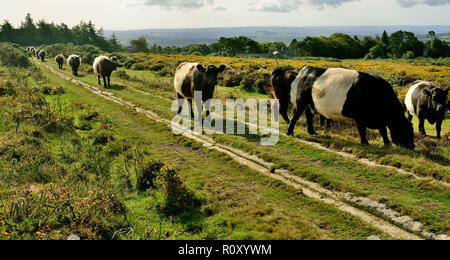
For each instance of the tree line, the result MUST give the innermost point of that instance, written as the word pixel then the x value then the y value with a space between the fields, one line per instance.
pixel 31 33
pixel 401 44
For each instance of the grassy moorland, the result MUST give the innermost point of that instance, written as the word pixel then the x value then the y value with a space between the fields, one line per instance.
pixel 73 163
pixel 425 200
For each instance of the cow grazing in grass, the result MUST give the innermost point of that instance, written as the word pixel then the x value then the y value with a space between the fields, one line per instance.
pixel 281 87
pixel 192 77
pixel 60 60
pixel 74 61
pixel 427 101
pixel 341 94
pixel 103 67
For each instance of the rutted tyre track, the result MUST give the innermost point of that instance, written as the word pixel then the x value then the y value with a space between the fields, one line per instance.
pixel 310 189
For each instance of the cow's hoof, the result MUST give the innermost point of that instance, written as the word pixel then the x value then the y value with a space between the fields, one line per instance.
pixel 290 134
pixel 312 132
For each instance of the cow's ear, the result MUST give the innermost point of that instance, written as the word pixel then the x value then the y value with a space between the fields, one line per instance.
pixel 201 68
pixel 427 92
pixel 222 68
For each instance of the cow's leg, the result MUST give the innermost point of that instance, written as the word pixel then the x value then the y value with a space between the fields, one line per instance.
pixel 310 121
pixel 104 82
pixel 422 127
pixel 208 108
pixel 328 124
pixel 322 121
pixel 191 108
pixel 180 103
pixel 410 117
pixel 384 134
pixel 109 81
pixel 284 113
pixel 438 129
pixel 298 111
pixel 362 128
pixel 99 82
pixel 199 107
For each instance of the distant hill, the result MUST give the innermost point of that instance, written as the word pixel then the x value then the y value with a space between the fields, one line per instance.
pixel 181 37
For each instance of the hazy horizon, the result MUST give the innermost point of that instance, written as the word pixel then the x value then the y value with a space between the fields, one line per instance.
pixel 200 14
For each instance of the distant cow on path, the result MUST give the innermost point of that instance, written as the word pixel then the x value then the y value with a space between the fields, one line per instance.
pixel 192 77
pixel 341 94
pixel 74 61
pixel 60 60
pixel 427 101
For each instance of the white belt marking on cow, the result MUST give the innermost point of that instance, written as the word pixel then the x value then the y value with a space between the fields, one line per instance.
pixel 181 75
pixel 330 92
pixel 294 91
pixel 408 99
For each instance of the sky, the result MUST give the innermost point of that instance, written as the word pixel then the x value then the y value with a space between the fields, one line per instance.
pixel 147 14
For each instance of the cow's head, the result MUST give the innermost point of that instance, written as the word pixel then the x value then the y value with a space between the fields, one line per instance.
pixel 211 72
pixel 438 99
pixel 402 133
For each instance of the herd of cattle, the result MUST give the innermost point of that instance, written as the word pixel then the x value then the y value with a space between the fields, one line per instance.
pixel 333 93
pixel 103 66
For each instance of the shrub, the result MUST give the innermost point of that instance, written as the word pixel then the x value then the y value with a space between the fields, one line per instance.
pixel 230 78
pixel 139 66
pixel 46 90
pixel 146 175
pixel 7 89
pixel 58 90
pixel 102 137
pixel 123 75
pixel 12 56
pixel 409 55
pixel 256 82
pixel 178 197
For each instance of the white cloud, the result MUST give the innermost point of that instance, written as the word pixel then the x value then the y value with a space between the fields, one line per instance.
pixel 409 3
pixel 286 6
pixel 171 4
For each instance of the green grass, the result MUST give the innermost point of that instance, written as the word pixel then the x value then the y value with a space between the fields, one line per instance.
pixel 403 193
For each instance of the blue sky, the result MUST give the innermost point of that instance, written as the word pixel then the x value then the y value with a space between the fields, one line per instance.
pixel 142 14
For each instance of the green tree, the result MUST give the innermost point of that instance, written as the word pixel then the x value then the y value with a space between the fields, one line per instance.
pixel 139 45
pixel 114 43
pixel 385 38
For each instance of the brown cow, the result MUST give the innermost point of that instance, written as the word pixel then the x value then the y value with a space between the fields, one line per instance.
pixel 192 77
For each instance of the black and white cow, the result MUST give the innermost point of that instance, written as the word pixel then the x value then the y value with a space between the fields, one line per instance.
pixel 192 77
pixel 341 94
pixel 427 101
pixel 281 88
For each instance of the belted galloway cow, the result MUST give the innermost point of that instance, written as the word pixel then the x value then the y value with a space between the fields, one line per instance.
pixel 427 101
pixel 341 94
pixel 192 77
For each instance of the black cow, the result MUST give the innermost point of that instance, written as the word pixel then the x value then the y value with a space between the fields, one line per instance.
pixel 427 101
pixel 341 94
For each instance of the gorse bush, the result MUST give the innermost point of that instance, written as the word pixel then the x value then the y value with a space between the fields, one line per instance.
pixel 178 197
pixel 146 175
pixel 12 55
